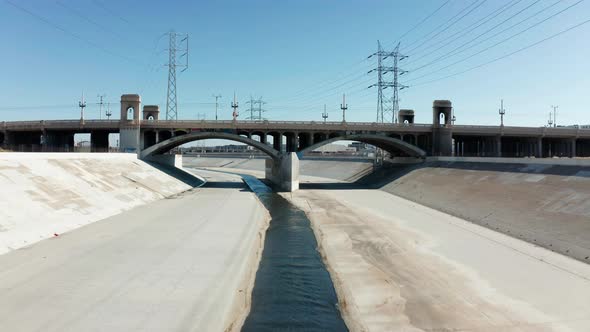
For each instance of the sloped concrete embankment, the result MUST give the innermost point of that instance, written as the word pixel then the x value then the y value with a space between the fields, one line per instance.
pixel 43 195
pixel 338 169
pixel 544 204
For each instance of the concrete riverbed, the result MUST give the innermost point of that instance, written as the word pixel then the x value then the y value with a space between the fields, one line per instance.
pixel 400 266
pixel 187 260
pixel 186 263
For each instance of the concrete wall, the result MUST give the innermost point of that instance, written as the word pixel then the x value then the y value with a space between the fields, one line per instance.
pixel 545 202
pixel 284 173
pixel 42 194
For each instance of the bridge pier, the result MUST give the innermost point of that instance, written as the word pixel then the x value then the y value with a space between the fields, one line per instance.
pixel 284 173
pixel 442 132
pixel 572 148
pixel 128 137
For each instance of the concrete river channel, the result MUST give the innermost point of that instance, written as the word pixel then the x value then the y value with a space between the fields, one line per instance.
pixel 293 290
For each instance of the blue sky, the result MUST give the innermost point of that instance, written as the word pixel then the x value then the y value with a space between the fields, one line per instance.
pixel 296 55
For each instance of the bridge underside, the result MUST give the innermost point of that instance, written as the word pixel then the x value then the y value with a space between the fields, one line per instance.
pixel 54 140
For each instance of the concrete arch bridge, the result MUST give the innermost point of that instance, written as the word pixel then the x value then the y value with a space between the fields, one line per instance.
pixel 282 167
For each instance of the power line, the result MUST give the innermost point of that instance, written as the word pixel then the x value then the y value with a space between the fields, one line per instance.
pixel 498 43
pixel 465 31
pixel 320 84
pixel 444 56
pixel 110 11
pixel 422 21
pixel 507 55
pixel 72 34
pixel 440 28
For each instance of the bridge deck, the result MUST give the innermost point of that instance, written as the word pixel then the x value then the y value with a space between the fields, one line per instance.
pixel 115 125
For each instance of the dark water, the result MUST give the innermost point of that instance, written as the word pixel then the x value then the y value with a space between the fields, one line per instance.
pixel 293 290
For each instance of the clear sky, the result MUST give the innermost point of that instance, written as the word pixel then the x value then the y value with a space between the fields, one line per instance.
pixel 298 56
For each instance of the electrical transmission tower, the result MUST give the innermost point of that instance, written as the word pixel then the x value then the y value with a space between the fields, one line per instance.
pixel 175 47
pixel 256 112
pixel 388 109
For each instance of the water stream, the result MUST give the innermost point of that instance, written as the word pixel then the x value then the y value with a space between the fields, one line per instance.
pixel 293 290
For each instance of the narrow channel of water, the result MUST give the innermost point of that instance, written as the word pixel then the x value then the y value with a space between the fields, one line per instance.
pixel 293 290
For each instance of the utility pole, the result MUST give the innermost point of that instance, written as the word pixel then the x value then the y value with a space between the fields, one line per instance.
pixel 343 107
pixel 201 116
pixel 82 105
pixel 502 111
pixel 234 105
pixel 175 47
pixel 383 110
pixel 109 113
pixel 550 121
pixel 100 103
pixel 216 105
pixel 554 115
pixel 325 114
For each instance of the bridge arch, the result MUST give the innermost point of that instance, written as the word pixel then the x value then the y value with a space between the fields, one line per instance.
pixel 175 141
pixel 386 143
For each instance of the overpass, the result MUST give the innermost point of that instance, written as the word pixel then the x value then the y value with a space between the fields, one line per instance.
pixel 147 134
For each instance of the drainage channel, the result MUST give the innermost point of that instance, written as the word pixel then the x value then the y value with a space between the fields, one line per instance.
pixel 293 290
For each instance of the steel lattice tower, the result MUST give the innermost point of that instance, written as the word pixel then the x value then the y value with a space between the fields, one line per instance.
pixel 173 49
pixel 256 113
pixel 397 57
pixel 387 109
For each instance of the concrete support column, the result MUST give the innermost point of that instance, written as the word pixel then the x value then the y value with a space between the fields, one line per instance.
pixel 4 139
pixel 263 138
pixel 284 173
pixel 573 148
pixel 539 153
pixel 277 142
pixel 292 143
pixel 498 146
pixel 128 140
